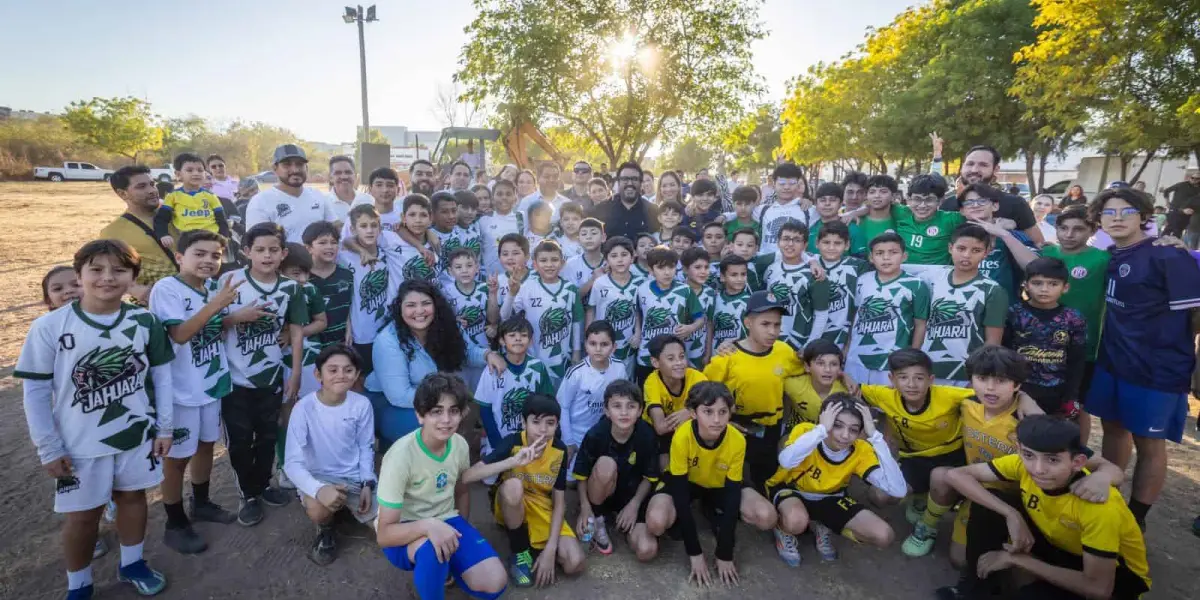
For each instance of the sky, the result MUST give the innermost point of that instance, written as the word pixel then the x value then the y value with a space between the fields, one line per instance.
pixel 295 64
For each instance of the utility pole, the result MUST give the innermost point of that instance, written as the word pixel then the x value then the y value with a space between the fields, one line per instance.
pixel 357 15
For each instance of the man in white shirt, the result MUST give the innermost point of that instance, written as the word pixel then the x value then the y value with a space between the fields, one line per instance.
pixel 345 194
pixel 549 178
pixel 289 203
pixel 460 176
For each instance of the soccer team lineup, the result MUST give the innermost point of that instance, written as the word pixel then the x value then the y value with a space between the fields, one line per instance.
pixel 617 371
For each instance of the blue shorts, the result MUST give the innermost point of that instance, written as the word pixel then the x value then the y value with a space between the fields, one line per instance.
pixel 1144 412
pixel 472 550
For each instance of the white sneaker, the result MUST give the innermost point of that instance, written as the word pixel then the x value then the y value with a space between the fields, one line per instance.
pixel 284 482
pixel 824 541
pixel 789 550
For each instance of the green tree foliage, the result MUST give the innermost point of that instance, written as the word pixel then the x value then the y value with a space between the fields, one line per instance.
pixel 123 126
pixel 44 141
pixel 690 155
pixel 751 142
pixel 622 73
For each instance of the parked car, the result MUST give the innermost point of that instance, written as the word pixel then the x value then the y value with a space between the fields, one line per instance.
pixel 72 171
pixel 267 177
pixel 1057 189
pixel 165 173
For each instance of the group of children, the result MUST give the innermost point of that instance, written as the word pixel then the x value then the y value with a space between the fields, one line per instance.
pixel 653 372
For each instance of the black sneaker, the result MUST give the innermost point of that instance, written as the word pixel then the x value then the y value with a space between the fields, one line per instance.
pixel 324 548
pixel 251 513
pixel 275 497
pixel 184 540
pixel 211 512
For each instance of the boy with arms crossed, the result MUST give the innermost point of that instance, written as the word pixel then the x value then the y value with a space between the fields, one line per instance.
pixel 893 308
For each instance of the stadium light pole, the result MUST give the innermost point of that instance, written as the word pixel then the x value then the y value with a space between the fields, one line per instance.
pixel 357 15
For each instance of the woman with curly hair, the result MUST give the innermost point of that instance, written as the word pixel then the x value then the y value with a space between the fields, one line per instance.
pixel 423 338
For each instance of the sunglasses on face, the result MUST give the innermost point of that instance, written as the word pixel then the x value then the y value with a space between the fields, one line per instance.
pixel 583 170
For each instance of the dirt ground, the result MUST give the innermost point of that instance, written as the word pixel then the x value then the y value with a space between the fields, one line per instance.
pixel 45 223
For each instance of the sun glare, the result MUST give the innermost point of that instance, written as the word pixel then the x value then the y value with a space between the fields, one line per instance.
pixel 624 49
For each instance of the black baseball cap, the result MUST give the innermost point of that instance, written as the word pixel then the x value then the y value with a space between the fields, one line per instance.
pixel 286 151
pixel 764 301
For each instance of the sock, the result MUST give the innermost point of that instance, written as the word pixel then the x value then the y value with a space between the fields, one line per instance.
pixel 934 513
pixel 80 578
pixel 176 517
pixel 846 533
pixel 1139 510
pixel 200 492
pixel 131 554
pixel 429 575
pixel 518 539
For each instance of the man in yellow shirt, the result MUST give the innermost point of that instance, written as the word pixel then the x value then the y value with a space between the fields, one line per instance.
pixel 135 227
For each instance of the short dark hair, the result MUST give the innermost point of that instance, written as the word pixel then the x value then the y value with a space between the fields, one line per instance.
pixel 419 161
pixel 46 281
pixel 119 180
pixel 618 241
pixel 673 206
pixel 360 211
pixel 909 357
pixel 1050 268
pixel 637 237
pixel 124 254
pixel 823 347
pixel 746 194
pixel 795 227
pixel 542 166
pixel 600 326
pixel 184 158
pixel 547 247
pixel 972 231
pixel 622 388
pixel 660 256
pixel 435 385
pixel 264 230
pixel 660 342
pixel 387 173
pixel 789 170
pixel 1051 435
pixel 883 181
pixel 629 164
pixel 837 228
pixel 320 228
pixel 460 163
pixel 468 199
pixel 193 236
pixel 459 253
pixel 684 232
pixel 1075 212
pixel 513 238
pixel 504 183
pixel 708 393
pixel 338 349
pixel 592 222
pixel 889 237
pixel 441 196
pixel 731 260
pixel 541 405
pixel 297 256
pixel 747 231
pixel 517 323
pixel 713 224
pixel 854 177
pixel 414 199
pixel 212 157
pixel 928 184
pixel 703 186
pixel 994 152
pixel 573 208
pixel 337 158
pixel 998 362
pixel 598 181
pixel 984 190
pixel 845 403
pixel 829 188
pixel 692 255
pixel 1139 200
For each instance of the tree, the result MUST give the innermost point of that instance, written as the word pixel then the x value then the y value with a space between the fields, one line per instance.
pixel 689 155
pixel 122 126
pixel 452 111
pixel 751 143
pixel 623 73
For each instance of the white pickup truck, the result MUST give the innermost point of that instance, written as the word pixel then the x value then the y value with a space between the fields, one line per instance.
pixel 165 173
pixel 72 171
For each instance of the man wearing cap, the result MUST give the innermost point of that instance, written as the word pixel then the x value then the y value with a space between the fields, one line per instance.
pixel 289 203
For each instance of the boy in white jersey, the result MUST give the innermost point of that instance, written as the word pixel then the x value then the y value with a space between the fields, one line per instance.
pixel 663 306
pixel 787 208
pixel 192 307
pixel 581 394
pixel 469 297
pixel 842 271
pixel 585 268
pixel 445 226
pixel 794 282
pixel 409 261
pixel 695 268
pixel 97 432
pixel 892 309
pixel 570 219
pixel 744 243
pixel 502 396
pixel 514 266
pixel 374 271
pixel 331 449
pixel 503 221
pixel 553 307
pixel 730 304
pixel 252 409
pixel 468 215
pixel 713 240
pixel 613 297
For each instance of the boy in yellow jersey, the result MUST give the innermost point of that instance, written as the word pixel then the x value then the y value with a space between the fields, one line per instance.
pixel 531 499
pixel 805 393
pixel 667 389
pixel 707 454
pixel 1072 547
pixel 190 206
pixel 815 469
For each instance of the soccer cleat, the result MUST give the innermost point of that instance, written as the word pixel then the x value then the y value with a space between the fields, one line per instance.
pixel 921 542
pixel 913 513
pixel 284 482
pixel 789 550
pixel 251 513
pixel 521 569
pixel 324 548
pixel 211 512
pixel 146 581
pixel 184 540
pixel 824 541
pixel 275 497
pixel 600 540
pixel 83 593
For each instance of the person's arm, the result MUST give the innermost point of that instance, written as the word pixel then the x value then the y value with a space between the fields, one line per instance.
pixel 887 477
pixel 38 399
pixel 1076 362
pixel 162 220
pixel 731 499
pixel 795 453
pixel 511 303
pixel 501 459
pixel 293 465
pixel 393 369
pixel 589 315
pixel 292 390
pixel 164 406
pixel 1096 580
pixel 995 314
pixel 557 513
pixel 318 324
pixel 567 392
pixel 969 481
pixel 366 444
pixel 677 487
pixel 222 222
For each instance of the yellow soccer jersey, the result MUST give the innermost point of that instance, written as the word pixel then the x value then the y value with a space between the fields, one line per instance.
pixel 1074 525
pixel 806 400
pixel 193 210
pixel 657 394
pixel 707 467
pixel 540 479
pixel 818 474
pixel 932 431
pixel 985 440
pixel 756 381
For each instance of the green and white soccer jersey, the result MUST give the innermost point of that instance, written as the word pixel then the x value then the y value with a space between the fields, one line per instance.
pixel 449 242
pixel 714 276
pixel 570 247
pixel 843 283
pixel 615 303
pixel 554 310
pixel 255 357
pixel 886 313
pixel 727 317
pixel 804 298
pixel 371 295
pixel 199 373
pixel 470 307
pixel 99 405
pixel 639 272
pixel 502 285
pixel 505 394
pixel 578 270
pixel 315 303
pixel 697 341
pixel 662 311
pixel 405 261
pixel 958 316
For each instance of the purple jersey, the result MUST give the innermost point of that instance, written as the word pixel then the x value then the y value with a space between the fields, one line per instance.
pixel 1053 342
pixel 1147 337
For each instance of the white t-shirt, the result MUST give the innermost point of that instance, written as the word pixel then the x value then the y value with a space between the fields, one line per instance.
pixel 327 443
pixel 199 371
pixel 773 216
pixel 293 213
pixel 225 189
pixel 581 397
pixel 341 209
